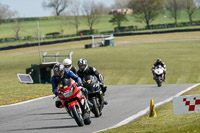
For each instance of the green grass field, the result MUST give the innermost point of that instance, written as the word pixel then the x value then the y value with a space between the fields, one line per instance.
pixel 129 62
pixel 122 64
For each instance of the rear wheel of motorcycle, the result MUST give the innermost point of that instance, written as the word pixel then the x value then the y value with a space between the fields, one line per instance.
pixel 77 116
pixel 95 108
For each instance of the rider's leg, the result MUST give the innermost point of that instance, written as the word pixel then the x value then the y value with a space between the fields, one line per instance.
pixel 104 88
pixel 154 76
pixel 163 76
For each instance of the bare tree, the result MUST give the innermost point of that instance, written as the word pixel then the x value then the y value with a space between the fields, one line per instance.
pixel 17 28
pixel 190 7
pixel 174 7
pixel 6 13
pixel 58 6
pixel 75 12
pixel 146 10
pixel 93 14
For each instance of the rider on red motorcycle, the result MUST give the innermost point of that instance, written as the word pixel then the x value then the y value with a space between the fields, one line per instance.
pixel 156 64
pixel 59 74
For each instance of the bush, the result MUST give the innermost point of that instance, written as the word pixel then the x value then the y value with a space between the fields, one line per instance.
pixel 10 39
pixel 173 25
pixel 27 37
pixel 125 28
pixel 52 35
pixel 88 32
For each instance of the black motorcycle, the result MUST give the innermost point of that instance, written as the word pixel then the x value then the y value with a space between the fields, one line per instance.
pixel 95 95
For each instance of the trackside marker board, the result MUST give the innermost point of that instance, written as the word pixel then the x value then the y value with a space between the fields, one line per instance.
pixel 24 78
pixel 186 104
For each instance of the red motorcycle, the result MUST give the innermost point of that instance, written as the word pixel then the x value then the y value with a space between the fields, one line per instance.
pixel 74 101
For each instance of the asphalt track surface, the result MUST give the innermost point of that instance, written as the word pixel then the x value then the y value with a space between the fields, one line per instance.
pixel 41 116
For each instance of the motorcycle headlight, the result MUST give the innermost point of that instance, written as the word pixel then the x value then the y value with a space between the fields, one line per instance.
pixel 67 93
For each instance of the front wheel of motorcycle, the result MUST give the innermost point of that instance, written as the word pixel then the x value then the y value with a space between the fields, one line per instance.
pixel 159 83
pixel 77 115
pixel 95 108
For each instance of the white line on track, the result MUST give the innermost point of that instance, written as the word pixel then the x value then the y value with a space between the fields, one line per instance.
pixel 10 105
pixel 143 112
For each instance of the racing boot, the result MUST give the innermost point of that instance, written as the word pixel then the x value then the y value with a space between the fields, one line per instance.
pixel 105 102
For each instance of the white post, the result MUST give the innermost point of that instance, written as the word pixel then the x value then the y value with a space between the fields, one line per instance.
pixel 92 40
pixel 70 55
pixel 44 57
pixel 38 31
pixel 165 21
pixel 57 56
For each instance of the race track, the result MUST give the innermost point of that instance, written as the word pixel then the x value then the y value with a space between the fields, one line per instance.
pixel 41 116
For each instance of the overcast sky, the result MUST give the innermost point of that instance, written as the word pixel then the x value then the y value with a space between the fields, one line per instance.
pixel 33 8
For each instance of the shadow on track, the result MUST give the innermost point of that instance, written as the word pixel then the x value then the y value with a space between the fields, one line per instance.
pixel 45 128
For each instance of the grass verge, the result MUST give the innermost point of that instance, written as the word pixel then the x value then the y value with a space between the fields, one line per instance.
pixel 122 64
pixel 165 122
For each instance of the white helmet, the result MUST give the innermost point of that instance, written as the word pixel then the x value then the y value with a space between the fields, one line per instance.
pixel 67 63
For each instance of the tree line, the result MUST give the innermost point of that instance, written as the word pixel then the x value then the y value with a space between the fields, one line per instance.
pixel 143 11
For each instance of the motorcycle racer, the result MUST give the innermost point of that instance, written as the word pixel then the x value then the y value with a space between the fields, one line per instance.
pixel 68 65
pixel 85 70
pixel 59 74
pixel 156 64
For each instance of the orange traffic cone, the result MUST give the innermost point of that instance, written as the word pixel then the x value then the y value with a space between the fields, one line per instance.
pixel 152 111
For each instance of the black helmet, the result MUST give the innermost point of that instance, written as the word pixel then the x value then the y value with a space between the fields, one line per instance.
pixel 58 69
pixel 82 64
pixel 159 60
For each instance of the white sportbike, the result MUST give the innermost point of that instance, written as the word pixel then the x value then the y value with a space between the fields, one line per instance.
pixel 158 75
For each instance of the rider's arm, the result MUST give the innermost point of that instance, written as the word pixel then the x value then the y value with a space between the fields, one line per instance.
pixel 54 84
pixel 153 67
pixel 97 74
pixel 73 76
pixel 163 65
pixel 73 69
